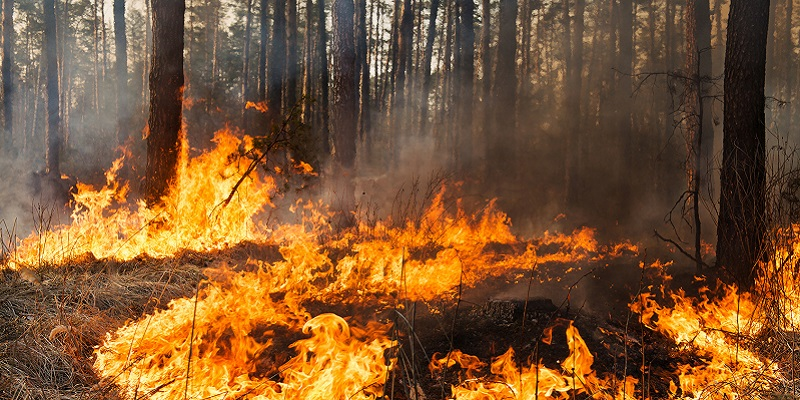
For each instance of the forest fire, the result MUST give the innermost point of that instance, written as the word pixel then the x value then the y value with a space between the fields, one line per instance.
pixel 268 328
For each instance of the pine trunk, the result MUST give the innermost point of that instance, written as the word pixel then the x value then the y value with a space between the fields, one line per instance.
pixel 8 78
pixel 123 101
pixel 166 98
pixel 742 216
pixel 53 118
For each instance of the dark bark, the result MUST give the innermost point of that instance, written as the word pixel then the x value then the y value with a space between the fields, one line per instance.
pixel 123 99
pixel 426 65
pixel 277 62
pixel 262 52
pixel 324 77
pixel 8 78
pixel 742 216
pixel 486 61
pixel 465 65
pixel 345 105
pixel 575 140
pixel 503 145
pixel 291 53
pixel 248 22
pixel 363 70
pixel 166 98
pixel 53 118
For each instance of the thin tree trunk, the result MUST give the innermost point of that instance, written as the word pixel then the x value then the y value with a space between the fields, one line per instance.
pixel 166 90
pixel 324 77
pixel 291 54
pixel 53 148
pixel 308 64
pixel 466 78
pixel 486 61
pixel 104 37
pixel 426 72
pixel 123 102
pixel 262 61
pixel 345 107
pixel 248 21
pixel 277 62
pixel 8 78
pixel 503 146
pixel 363 70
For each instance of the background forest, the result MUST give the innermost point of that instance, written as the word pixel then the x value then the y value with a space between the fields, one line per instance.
pixel 576 107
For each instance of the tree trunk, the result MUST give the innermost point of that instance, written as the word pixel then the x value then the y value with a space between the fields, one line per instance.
pixel 262 52
pixel 742 216
pixel 363 71
pixel 53 118
pixel 324 77
pixel 123 102
pixel 426 65
pixel 575 142
pixel 345 107
pixel 277 62
pixel 166 98
pixel 8 78
pixel 503 151
pixel 486 61
pixel 466 79
pixel 291 54
pixel 308 65
pixel 246 62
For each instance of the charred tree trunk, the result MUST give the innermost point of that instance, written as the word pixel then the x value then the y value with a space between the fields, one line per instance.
pixel 426 65
pixel 742 216
pixel 123 99
pixel 405 46
pixel 8 78
pixel 345 105
pixel 363 72
pixel 277 62
pixel 291 54
pixel 166 98
pixel 575 142
pixel 308 64
pixel 262 53
pixel 503 147
pixel 324 77
pixel 246 62
pixel 486 61
pixel 465 65
pixel 53 118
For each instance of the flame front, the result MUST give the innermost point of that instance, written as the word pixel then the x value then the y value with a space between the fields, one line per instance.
pixel 255 327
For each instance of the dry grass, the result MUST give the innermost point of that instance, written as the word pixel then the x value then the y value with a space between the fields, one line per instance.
pixel 49 326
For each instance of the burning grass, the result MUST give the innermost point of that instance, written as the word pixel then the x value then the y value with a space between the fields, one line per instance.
pixel 200 299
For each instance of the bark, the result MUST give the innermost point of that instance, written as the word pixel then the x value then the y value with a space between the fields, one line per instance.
pixel 8 78
pixel 262 52
pixel 308 64
pixel 345 105
pixel 465 63
pixel 503 152
pixel 53 118
pixel 742 218
pixel 291 53
pixel 123 99
pixel 426 65
pixel 575 140
pixel 363 70
pixel 486 61
pixel 166 98
pixel 277 62
pixel 324 77
pixel 248 21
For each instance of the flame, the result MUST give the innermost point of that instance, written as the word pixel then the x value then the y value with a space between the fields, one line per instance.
pixel 106 225
pixel 508 381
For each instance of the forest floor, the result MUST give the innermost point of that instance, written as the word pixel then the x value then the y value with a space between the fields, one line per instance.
pixel 52 320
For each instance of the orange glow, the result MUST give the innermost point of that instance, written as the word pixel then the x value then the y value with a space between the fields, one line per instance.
pixel 250 329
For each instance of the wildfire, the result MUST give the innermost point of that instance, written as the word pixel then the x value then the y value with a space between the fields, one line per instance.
pixel 255 327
